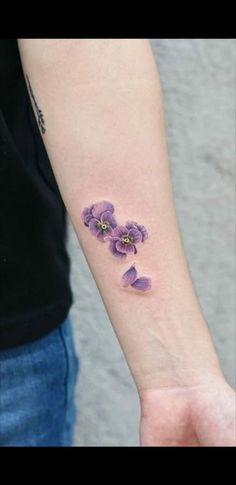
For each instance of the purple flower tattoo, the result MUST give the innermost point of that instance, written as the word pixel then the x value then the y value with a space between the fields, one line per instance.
pixel 123 240
pixel 140 227
pixel 99 218
pixel 129 278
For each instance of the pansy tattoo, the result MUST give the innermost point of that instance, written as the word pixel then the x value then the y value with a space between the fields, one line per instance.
pixel 130 278
pixel 99 218
pixel 122 239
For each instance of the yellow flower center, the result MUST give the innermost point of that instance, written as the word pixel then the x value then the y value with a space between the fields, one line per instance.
pixel 103 225
pixel 126 239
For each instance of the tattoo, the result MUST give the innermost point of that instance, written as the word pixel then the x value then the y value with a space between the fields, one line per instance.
pixel 41 121
pixel 129 278
pixel 101 221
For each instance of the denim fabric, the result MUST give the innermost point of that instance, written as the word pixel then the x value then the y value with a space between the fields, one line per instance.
pixel 37 383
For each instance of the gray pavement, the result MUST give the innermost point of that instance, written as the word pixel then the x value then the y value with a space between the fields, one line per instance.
pixel 198 80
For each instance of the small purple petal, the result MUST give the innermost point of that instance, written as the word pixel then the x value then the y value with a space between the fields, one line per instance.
pixel 108 217
pixel 114 251
pixel 129 276
pixel 143 231
pixel 135 234
pixel 93 226
pixel 104 236
pixel 101 235
pixel 101 207
pixel 119 231
pixel 130 224
pixel 110 237
pixel 140 227
pixel 87 215
pixel 124 248
pixel 142 284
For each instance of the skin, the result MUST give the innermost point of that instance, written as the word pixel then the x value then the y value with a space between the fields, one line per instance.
pixel 105 138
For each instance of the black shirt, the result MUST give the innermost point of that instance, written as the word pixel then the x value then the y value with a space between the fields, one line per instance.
pixel 35 294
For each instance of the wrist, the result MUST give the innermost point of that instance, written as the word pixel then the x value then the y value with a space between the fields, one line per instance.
pixel 179 378
pixel 201 413
pixel 182 379
pixel 174 353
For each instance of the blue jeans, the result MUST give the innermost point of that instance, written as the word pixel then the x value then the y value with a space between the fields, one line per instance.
pixel 37 383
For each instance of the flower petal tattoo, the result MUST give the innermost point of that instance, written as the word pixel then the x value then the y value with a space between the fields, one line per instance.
pixel 141 228
pixel 142 284
pixel 129 276
pixel 99 219
pixel 123 240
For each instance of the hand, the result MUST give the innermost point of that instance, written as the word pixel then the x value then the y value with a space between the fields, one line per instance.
pixel 201 415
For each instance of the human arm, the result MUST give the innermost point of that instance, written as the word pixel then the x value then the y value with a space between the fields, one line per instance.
pixel 105 137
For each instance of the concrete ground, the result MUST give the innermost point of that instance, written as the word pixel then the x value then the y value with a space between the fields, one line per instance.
pixel 198 79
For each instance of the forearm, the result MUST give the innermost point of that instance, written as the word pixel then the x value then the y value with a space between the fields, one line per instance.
pixel 105 139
